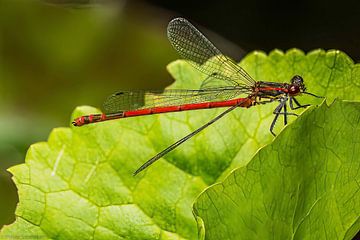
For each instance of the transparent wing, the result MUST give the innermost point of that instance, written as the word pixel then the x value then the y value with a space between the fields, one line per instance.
pixel 132 100
pixel 192 45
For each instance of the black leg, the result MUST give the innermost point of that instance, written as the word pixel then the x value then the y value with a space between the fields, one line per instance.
pixel 285 114
pixel 311 94
pixel 297 103
pixel 277 113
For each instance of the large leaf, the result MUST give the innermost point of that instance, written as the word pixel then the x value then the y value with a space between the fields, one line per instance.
pixel 79 184
pixel 305 185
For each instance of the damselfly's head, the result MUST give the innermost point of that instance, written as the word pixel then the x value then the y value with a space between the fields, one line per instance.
pixel 298 81
pixel 297 86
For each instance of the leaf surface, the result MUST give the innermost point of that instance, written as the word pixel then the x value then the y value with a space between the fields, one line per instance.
pixel 79 183
pixel 305 185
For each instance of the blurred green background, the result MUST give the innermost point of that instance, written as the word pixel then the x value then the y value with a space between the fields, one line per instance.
pixel 59 54
pixel 55 57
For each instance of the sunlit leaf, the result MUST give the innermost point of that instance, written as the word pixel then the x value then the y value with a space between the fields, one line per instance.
pixel 79 184
pixel 305 185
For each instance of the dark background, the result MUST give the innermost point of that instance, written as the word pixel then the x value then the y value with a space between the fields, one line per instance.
pixel 266 25
pixel 59 54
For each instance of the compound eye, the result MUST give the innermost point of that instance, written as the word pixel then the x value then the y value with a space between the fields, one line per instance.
pixel 297 80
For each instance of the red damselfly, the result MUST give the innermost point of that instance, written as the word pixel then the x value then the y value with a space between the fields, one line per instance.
pixel 225 82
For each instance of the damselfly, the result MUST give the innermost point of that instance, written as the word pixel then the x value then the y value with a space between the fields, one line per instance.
pixel 225 82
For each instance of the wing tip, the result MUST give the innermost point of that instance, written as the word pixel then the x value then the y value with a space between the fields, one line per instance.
pixel 175 23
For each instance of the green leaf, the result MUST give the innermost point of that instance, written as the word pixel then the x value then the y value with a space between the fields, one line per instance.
pixel 79 183
pixel 305 185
